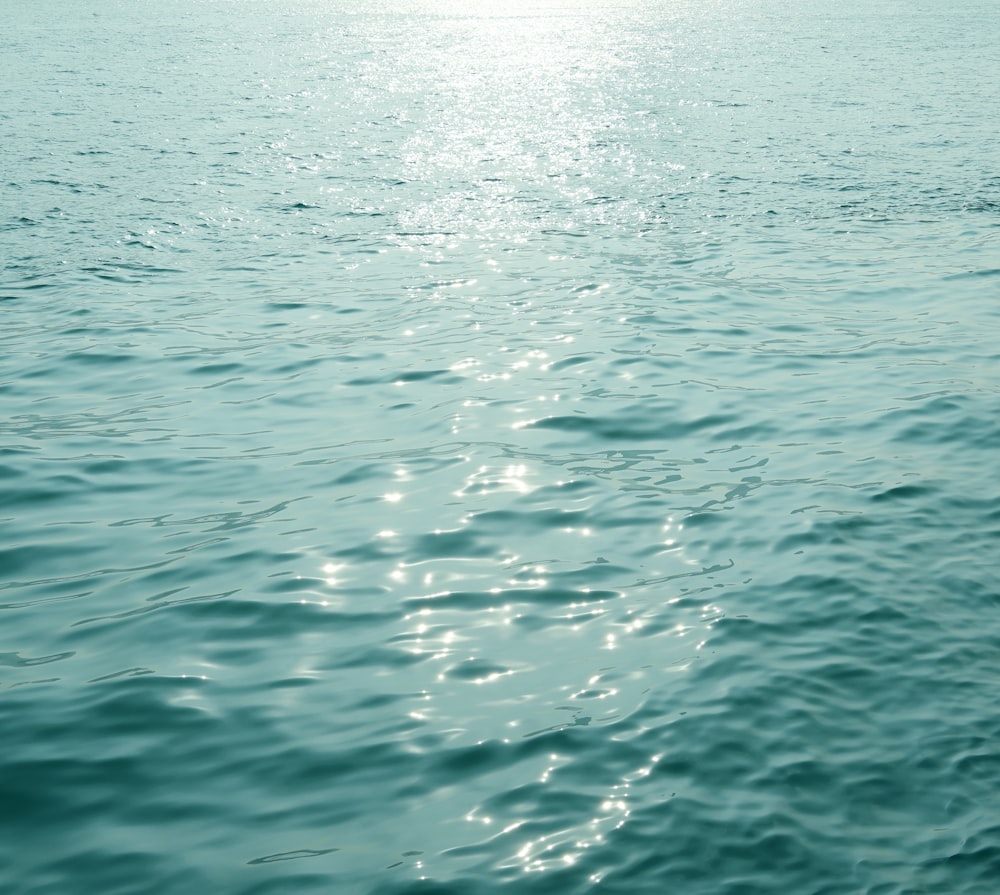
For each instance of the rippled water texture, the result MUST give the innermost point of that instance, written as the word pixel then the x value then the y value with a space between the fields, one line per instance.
pixel 551 448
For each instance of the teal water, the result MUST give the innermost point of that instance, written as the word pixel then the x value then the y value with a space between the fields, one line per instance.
pixel 544 448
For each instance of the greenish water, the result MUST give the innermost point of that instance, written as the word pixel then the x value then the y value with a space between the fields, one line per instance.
pixel 544 448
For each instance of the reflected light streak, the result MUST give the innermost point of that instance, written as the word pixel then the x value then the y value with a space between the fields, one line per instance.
pixel 528 582
pixel 522 424
pixel 584 532
pixel 330 570
pixel 492 676
pixel 485 480
pixel 465 364
pixel 565 847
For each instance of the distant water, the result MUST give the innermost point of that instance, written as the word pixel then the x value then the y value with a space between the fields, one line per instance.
pixel 552 448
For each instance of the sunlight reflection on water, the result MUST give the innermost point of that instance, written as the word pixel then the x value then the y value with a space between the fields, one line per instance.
pixel 536 446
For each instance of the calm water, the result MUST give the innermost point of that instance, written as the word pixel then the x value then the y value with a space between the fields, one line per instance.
pixel 549 448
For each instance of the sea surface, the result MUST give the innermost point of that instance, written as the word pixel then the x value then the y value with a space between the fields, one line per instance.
pixel 500 447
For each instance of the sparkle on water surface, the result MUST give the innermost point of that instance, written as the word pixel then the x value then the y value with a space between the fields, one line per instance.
pixel 545 446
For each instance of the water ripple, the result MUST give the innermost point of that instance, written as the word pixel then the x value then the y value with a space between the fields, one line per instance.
pixel 454 449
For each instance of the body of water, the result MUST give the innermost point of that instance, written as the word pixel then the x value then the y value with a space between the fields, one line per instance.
pixel 508 447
